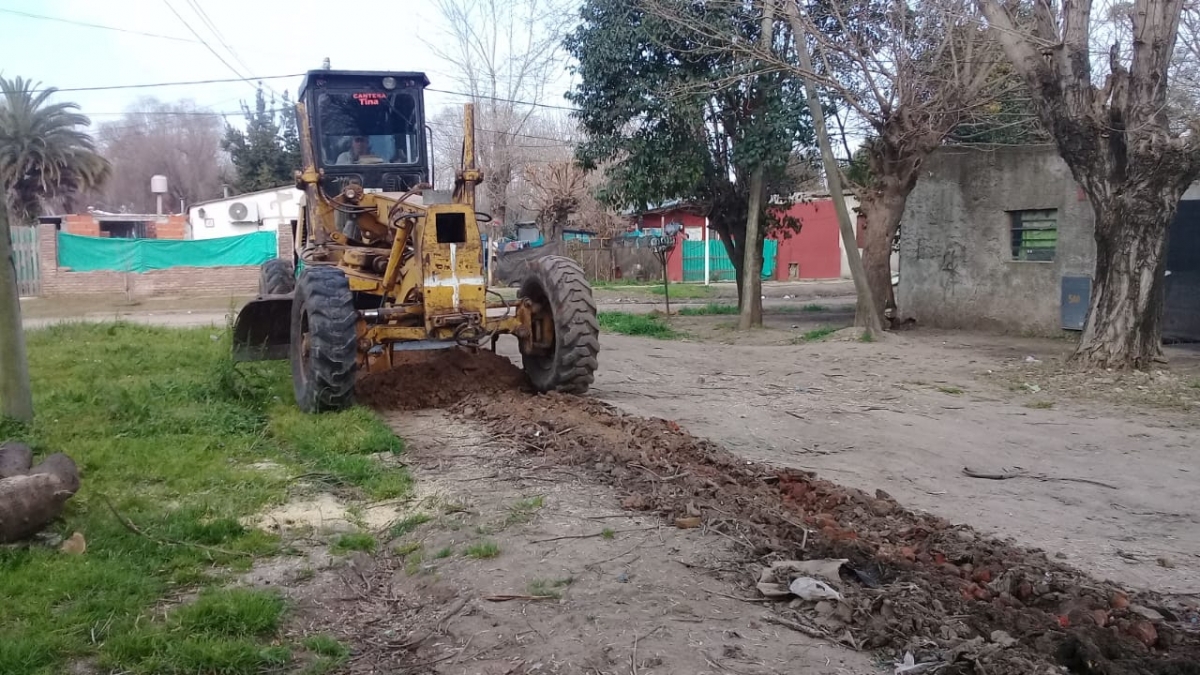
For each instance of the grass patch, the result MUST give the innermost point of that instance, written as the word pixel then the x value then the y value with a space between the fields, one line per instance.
pixel 818 334
pixel 686 291
pixel 223 631
pixel 483 550
pixel 641 325
pixel 813 308
pixel 408 525
pixel 953 391
pixel 354 541
pixel 867 336
pixel 405 550
pixel 444 553
pixel 549 588
pixel 326 645
pixel 414 562
pixel 711 309
pixel 608 533
pixel 523 510
pixel 1040 405
pixel 163 425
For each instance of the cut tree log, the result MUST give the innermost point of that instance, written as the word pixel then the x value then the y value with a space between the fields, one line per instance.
pixel 28 503
pixel 15 459
pixel 61 467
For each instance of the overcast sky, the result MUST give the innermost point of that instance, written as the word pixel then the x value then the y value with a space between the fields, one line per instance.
pixel 268 37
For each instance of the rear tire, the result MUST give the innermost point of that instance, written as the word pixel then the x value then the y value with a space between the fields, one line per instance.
pixel 324 341
pixel 559 285
pixel 275 277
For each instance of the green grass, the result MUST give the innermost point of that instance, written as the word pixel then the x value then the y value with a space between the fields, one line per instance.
pixel 953 391
pixel 867 336
pixel 408 525
pixel 711 309
pixel 641 325
pixel 164 426
pixel 813 308
pixel 608 533
pixel 818 334
pixel 686 291
pixel 523 510
pixel 405 550
pixel 483 550
pixel 1040 405
pixel 326 645
pixel 444 553
pixel 354 541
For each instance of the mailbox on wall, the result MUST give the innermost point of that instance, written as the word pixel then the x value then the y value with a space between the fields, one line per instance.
pixel 1076 298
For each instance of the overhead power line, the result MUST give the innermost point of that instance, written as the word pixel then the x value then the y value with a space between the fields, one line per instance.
pixel 205 43
pixel 30 15
pixel 153 85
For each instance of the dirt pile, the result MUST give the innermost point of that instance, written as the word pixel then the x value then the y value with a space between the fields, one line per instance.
pixel 437 379
pixel 914 583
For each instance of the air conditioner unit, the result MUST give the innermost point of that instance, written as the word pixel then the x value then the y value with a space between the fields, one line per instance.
pixel 243 212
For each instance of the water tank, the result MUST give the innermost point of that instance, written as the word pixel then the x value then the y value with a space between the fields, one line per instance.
pixel 158 185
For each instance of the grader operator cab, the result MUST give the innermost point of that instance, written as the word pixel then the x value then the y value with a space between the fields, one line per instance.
pixel 383 263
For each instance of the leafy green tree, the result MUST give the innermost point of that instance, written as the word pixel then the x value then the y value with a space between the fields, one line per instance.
pixel 267 152
pixel 44 155
pixel 668 121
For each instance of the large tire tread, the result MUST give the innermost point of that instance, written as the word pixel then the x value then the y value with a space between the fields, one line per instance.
pixel 571 369
pixel 324 293
pixel 276 278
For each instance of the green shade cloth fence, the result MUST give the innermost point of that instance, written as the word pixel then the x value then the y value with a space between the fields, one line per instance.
pixel 91 254
pixel 719 266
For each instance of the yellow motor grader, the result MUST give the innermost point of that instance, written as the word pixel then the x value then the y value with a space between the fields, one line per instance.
pixel 383 263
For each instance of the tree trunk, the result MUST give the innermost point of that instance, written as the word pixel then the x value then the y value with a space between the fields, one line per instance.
pixel 736 255
pixel 1124 324
pixel 883 211
pixel 865 314
pixel 16 398
pixel 750 311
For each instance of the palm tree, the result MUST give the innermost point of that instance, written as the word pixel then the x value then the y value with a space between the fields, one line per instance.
pixel 44 151
pixel 44 155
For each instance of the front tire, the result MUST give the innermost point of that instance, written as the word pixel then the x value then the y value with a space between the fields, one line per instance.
pixel 324 341
pixel 275 277
pixel 559 286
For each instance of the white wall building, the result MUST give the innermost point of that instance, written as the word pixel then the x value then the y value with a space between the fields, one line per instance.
pixel 260 211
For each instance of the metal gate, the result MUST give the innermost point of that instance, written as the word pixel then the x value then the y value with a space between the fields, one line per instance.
pixel 25 255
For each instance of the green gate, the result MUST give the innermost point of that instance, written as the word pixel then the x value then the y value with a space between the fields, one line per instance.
pixel 719 266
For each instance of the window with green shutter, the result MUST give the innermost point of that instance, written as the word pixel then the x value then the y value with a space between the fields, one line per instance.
pixel 1034 235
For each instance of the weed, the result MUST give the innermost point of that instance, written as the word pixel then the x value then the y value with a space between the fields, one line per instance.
pixel 444 553
pixel 408 525
pixel 813 308
pixel 305 574
pixel 867 336
pixel 483 550
pixel 953 391
pixel 354 541
pixel 326 645
pixel 1040 405
pixel 523 510
pixel 710 309
pixel 549 589
pixel 642 325
pixel 608 533
pixel 341 444
pixel 404 550
pixel 818 333
pixel 413 562
pixel 1195 384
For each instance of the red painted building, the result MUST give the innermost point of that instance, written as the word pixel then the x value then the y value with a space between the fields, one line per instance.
pixel 814 253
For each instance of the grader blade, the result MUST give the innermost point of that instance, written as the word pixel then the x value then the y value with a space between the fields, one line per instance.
pixel 263 329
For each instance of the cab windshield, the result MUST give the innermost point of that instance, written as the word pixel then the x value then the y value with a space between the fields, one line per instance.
pixel 369 127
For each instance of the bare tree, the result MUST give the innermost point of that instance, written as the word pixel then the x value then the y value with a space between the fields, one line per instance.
pixel 505 52
pixel 1120 144
pixel 178 140
pixel 903 74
